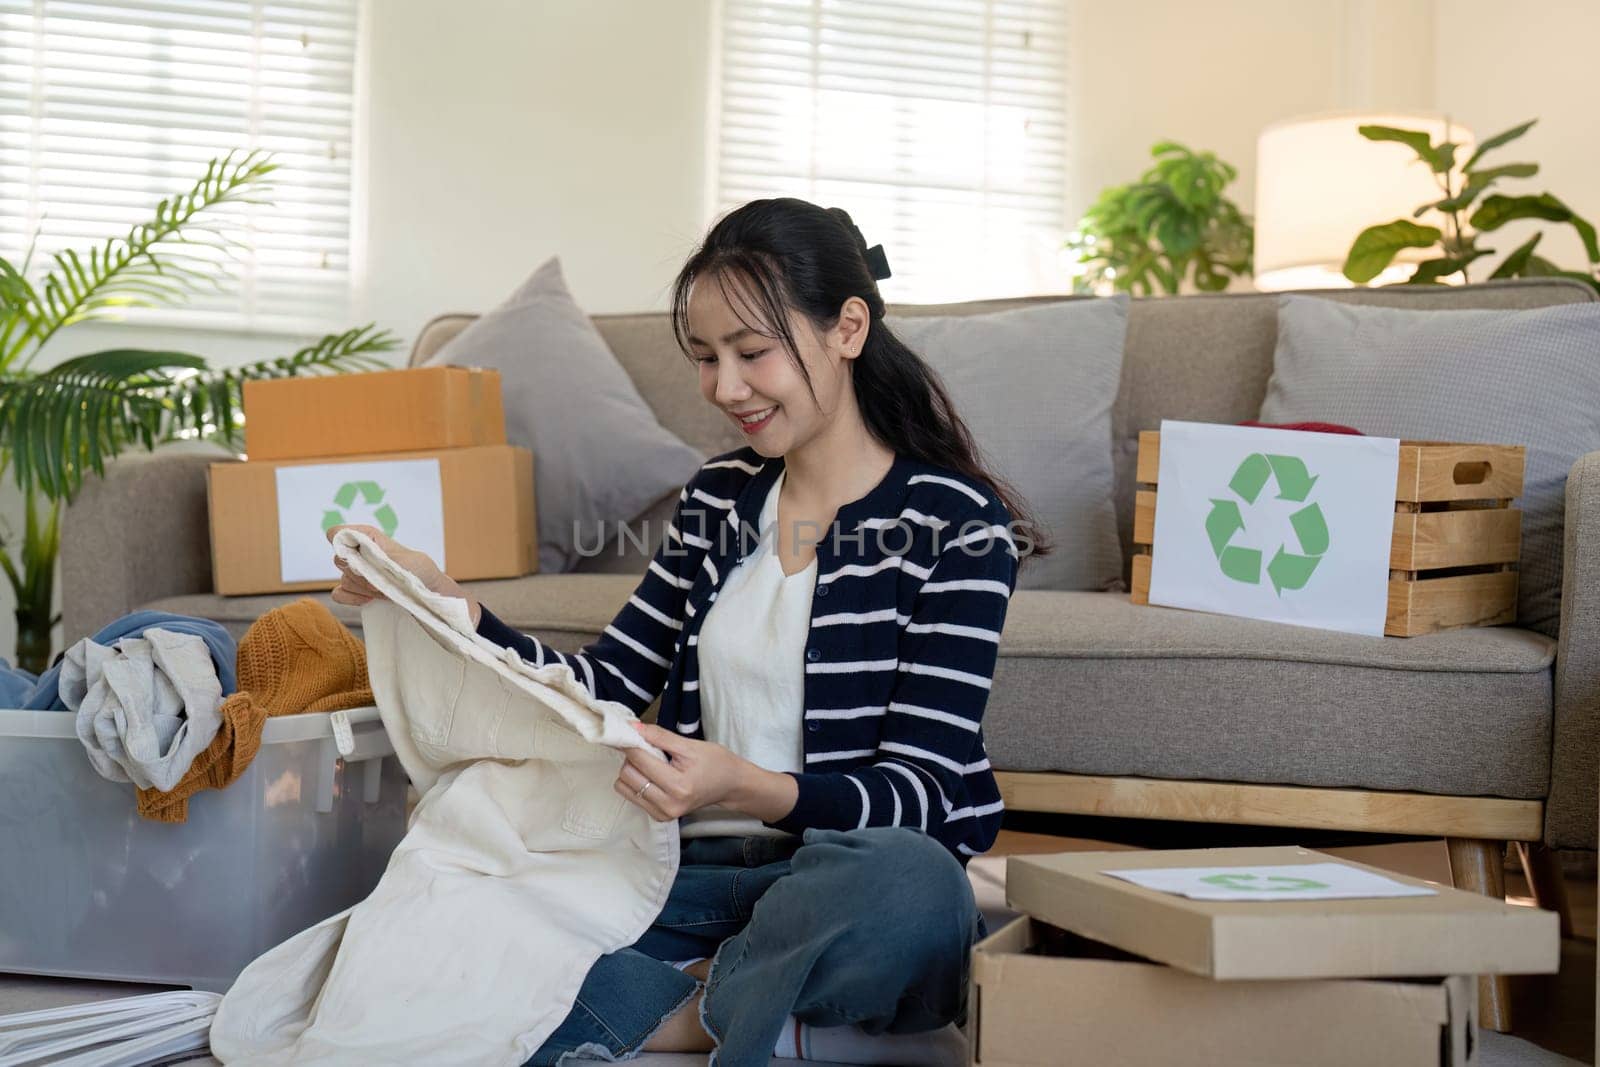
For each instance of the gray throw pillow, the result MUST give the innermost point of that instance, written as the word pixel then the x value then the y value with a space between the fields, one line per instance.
pixel 1506 377
pixel 599 455
pixel 1035 386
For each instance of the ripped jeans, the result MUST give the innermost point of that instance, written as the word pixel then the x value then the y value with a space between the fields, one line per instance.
pixel 871 927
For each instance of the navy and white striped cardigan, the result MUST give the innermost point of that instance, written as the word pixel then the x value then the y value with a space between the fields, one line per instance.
pixel 913 582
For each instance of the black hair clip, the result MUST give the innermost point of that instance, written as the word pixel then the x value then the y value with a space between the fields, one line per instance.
pixel 878 263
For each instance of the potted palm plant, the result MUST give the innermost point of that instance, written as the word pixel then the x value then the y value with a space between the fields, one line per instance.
pixel 60 423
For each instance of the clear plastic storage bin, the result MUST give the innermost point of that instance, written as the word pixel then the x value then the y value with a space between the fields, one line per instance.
pixel 90 890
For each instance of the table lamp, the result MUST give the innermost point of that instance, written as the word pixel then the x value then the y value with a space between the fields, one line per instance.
pixel 1319 183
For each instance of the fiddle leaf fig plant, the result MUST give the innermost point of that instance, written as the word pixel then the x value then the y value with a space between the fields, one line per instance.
pixel 1457 241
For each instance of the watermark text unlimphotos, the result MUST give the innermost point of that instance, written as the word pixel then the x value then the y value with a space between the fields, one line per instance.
pixel 975 537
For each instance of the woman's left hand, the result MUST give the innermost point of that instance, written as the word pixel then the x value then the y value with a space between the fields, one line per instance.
pixel 700 773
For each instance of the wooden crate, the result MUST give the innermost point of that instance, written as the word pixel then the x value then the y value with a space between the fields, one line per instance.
pixel 1457 539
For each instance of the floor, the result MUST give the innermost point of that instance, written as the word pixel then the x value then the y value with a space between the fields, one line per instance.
pixel 1554 1014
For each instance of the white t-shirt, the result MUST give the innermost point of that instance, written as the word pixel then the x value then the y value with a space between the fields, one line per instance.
pixel 753 671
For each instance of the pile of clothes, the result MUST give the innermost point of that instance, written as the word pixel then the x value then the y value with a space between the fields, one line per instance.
pixel 168 703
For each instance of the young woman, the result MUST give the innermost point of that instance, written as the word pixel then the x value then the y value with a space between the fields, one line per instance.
pixel 821 624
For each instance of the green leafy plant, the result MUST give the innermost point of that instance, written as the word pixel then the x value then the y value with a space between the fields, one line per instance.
pixel 1172 227
pixel 1376 246
pixel 58 424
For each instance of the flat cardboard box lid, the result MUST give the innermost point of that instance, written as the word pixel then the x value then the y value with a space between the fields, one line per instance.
pixel 1451 932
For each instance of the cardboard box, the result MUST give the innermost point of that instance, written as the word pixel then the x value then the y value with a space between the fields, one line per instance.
pixel 1449 932
pixel 1042 997
pixel 471 509
pixel 415 409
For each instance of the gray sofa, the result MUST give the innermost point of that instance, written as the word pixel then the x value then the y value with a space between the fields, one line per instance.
pixel 1098 706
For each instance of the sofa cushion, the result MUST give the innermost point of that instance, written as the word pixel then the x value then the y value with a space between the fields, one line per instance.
pixel 1091 684
pixel 1529 377
pixel 1035 386
pixel 600 457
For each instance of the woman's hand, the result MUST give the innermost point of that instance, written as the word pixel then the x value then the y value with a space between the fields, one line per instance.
pixel 699 774
pixel 356 590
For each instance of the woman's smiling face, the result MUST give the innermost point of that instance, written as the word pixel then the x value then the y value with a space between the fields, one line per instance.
pixel 746 372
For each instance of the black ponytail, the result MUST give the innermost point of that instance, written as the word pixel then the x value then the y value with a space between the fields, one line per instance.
pixel 773 255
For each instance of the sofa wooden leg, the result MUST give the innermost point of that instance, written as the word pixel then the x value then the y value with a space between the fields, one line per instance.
pixel 1542 868
pixel 1478 866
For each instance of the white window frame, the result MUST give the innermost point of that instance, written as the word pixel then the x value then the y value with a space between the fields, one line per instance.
pixel 1028 251
pixel 249 306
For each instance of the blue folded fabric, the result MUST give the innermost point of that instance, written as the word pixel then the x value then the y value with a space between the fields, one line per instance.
pixel 45 693
pixel 16 684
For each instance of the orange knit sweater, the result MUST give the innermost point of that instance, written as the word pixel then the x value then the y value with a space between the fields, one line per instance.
pixel 294 659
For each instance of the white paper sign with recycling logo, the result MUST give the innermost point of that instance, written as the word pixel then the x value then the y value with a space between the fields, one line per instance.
pixel 403 498
pixel 1298 881
pixel 1275 524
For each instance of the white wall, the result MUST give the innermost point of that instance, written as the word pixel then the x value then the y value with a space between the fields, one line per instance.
pixel 1212 75
pixel 1207 75
pixel 1494 72
pixel 504 132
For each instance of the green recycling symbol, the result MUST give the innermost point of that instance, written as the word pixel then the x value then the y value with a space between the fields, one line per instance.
pixel 370 492
pixel 1280 883
pixel 1286 570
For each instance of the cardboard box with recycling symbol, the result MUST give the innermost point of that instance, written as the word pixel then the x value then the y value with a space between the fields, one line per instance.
pixel 1232 956
pixel 455 491
pixel 1305 528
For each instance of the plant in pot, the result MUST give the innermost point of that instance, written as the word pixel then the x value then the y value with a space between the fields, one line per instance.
pixel 1171 229
pixel 57 424
pixel 1457 240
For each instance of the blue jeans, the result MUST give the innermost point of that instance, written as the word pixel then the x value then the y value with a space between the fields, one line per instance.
pixel 871 928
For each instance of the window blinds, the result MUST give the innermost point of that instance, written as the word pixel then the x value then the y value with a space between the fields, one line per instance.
pixel 940 125
pixel 108 107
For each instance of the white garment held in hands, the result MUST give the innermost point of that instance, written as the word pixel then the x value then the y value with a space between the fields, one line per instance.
pixel 521 866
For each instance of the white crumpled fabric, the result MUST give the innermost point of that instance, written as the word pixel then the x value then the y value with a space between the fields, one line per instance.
pixel 521 866
pixel 146 706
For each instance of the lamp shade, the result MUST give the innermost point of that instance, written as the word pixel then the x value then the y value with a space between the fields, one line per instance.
pixel 1319 183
